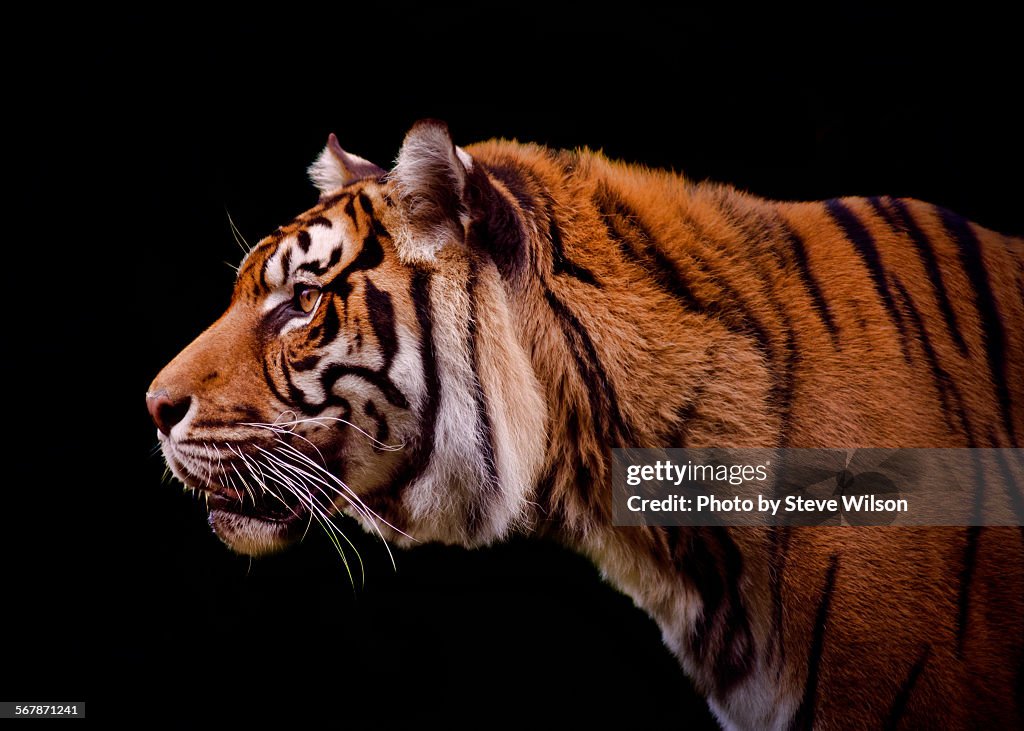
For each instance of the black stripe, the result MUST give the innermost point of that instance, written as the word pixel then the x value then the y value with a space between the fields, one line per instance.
pixel 327 330
pixel 318 269
pixel 296 395
pixel 320 221
pixel 604 402
pixel 908 225
pixel 421 286
pixel 365 204
pixel 899 704
pixel 713 564
pixel 735 659
pixel 382 320
pixel 949 394
pixel 371 253
pixel 327 202
pixel 270 381
pixel 625 228
pixel 480 397
pixel 759 236
pixel 804 718
pixel 512 179
pixel 864 243
pixel 303 240
pixel 562 264
pixel 994 336
pixel 885 214
pixel 286 263
pixel 381 433
pixel 637 244
pixel 966 579
pixel 799 251
pixel 370 256
pixel 733 309
pixel 261 283
pixel 779 554
pixel 346 410
pixel 378 378
pixel 306 364
pixel 980 473
pixel 756 225
pixel 785 388
pixel 694 557
pixel 497 227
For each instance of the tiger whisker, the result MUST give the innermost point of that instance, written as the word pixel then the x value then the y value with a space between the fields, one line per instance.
pixel 341 552
pixel 262 479
pixel 279 431
pixel 231 484
pixel 253 462
pixel 320 512
pixel 304 474
pixel 298 488
pixel 237 235
pixel 358 502
pixel 347 489
pixel 317 419
pixel 314 502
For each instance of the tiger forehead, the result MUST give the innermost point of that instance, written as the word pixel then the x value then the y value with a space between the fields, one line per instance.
pixel 316 241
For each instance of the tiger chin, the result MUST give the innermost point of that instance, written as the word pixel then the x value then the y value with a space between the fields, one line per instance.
pixel 446 351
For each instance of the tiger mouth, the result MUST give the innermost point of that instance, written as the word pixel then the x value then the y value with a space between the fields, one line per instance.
pixel 259 510
pixel 284 509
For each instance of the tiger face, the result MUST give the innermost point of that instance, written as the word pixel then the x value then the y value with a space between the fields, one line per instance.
pixel 349 364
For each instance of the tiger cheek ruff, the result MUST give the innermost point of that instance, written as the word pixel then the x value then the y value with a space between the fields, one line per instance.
pixel 447 351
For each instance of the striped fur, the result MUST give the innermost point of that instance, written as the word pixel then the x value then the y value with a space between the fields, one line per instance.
pixel 507 313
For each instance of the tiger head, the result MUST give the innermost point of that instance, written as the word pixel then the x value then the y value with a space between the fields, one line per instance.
pixel 367 365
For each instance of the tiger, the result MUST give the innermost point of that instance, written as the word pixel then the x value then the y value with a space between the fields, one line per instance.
pixel 448 351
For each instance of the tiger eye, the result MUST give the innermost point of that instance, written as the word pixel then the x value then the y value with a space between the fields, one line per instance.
pixel 306 298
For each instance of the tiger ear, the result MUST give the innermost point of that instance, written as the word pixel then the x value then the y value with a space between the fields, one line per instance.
pixel 335 168
pixel 429 181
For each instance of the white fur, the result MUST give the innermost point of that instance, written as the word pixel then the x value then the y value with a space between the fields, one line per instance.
pixel 454 483
pixel 440 500
pixel 334 168
pixel 465 157
pixel 323 242
pixel 326 173
pixel 516 408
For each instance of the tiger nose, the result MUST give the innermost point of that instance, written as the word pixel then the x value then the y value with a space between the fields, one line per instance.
pixel 166 412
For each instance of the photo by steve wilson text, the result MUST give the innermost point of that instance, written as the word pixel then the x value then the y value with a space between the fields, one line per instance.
pixel 818 487
pixel 789 504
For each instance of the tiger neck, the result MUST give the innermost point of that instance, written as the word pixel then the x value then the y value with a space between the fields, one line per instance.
pixel 597 378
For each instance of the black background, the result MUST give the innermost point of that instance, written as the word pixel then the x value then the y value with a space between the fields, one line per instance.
pixel 134 135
